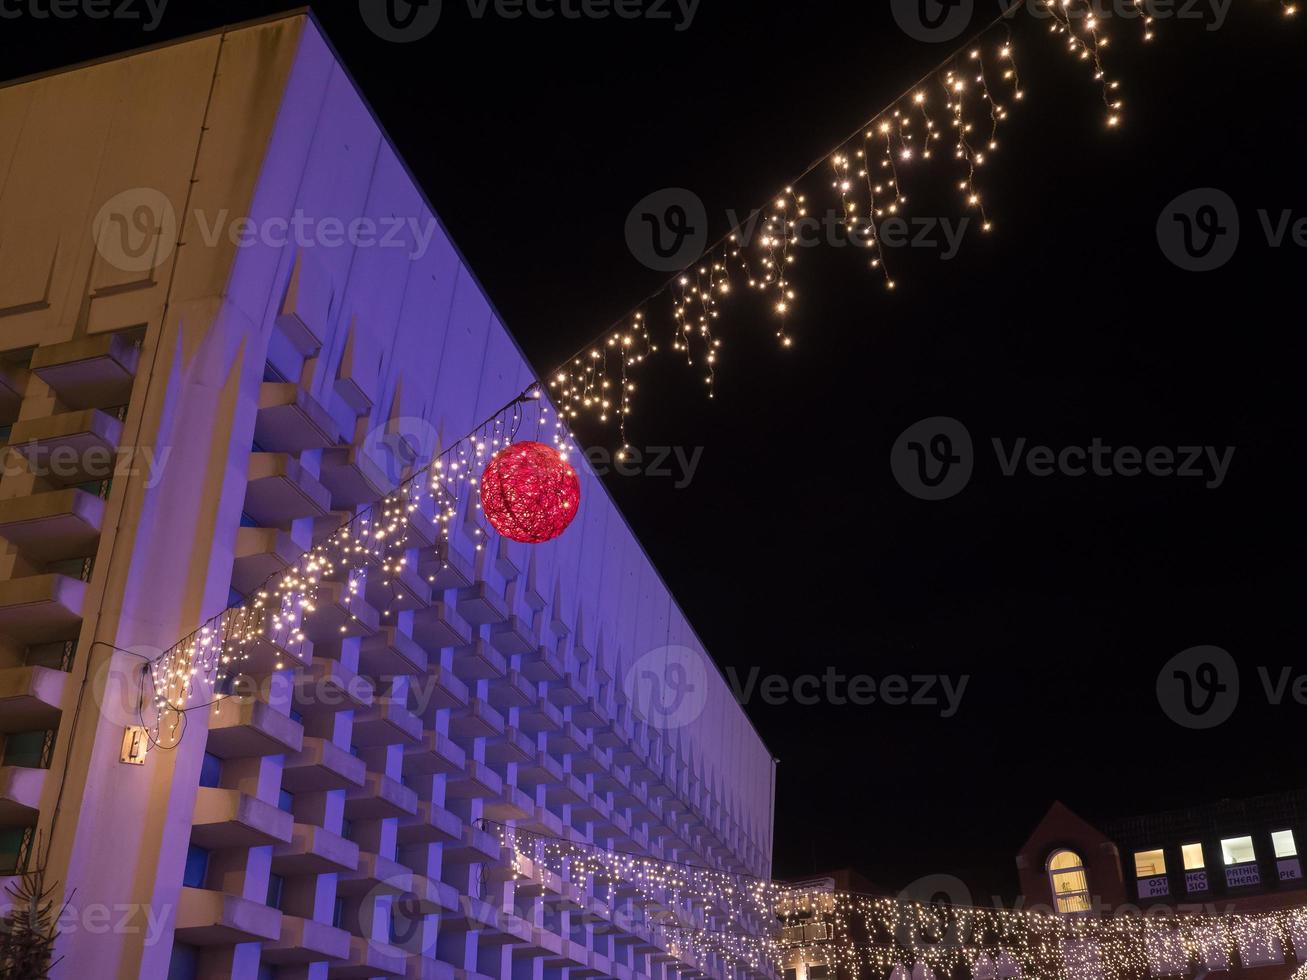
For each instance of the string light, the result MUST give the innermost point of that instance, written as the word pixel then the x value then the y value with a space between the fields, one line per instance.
pixel 270 625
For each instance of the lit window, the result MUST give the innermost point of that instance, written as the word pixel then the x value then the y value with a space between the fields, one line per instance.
pixel 1066 873
pixel 1238 850
pixel 1284 844
pixel 1193 857
pixel 1150 864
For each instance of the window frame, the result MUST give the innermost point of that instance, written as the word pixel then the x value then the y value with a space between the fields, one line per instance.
pixel 1078 868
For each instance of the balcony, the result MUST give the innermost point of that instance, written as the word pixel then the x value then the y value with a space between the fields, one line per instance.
pixel 434 755
pixel 69 448
pixel 31 698
pixel 321 765
pixel 478 662
pixel 431 824
pixel 369 958
pixel 378 798
pixel 510 747
pixel 513 636
pixel 539 717
pixel 480 604
pixel 20 795
pixel 477 720
pixel 280 490
pixel 53 526
pixel 386 723
pixel 477 782
pixel 90 372
pixel 328 686
pixel 446 568
pixel 306 941
pixel 313 850
pixel 242 728
pixel 261 554
pixel 353 478
pixel 438 690
pixel 209 918
pixel 41 608
pixel 389 652
pixel 439 626
pixel 376 875
pixel 512 691
pixel 290 420
pixel 542 664
pixel 13 383
pixel 399 593
pixel 226 818
pixel 511 804
pixel 340 614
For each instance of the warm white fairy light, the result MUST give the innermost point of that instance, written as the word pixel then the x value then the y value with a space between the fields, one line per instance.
pixel 597 380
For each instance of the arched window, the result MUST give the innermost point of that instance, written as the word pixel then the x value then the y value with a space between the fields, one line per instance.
pixel 1066 873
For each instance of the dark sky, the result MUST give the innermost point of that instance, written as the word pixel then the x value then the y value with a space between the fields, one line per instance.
pixel 793 548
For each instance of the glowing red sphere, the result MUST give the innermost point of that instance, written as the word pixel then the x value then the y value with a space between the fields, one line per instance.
pixel 529 493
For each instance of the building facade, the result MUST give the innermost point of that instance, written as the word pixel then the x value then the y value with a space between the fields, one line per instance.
pixel 1233 855
pixel 229 320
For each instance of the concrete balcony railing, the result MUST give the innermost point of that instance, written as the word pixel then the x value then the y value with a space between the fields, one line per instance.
pixel 41 608
pixel 389 652
pixel 69 448
pixel 261 554
pixel 480 604
pixel 31 698
pixel 386 722
pixel 511 804
pixel 512 691
pixel 306 941
pixel 353 477
pixel 290 420
pixel 20 795
pixel 90 372
pixel 440 627
pixel 211 918
pixel 431 824
pixel 476 782
pixel 53 526
pixel 228 818
pixel 242 728
pixel 542 664
pixel 513 637
pixel 446 568
pixel 13 384
pixel 313 850
pixel 321 765
pixel 512 747
pixel 369 958
pixel 478 720
pixel 398 593
pixel 340 614
pixel 540 717
pixel 327 686
pixel 375 875
pixel 434 755
pixel 378 798
pixel 478 661
pixel 280 490
pixel 441 688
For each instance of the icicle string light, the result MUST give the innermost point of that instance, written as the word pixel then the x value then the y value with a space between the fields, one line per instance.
pixel 366 557
pixel 745 920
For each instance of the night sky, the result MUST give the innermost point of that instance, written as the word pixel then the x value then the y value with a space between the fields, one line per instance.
pixel 793 548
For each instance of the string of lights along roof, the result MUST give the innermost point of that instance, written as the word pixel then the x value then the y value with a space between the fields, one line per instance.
pixel 955 112
pixel 742 919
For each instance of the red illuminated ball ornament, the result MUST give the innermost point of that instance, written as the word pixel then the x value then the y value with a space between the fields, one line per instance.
pixel 529 493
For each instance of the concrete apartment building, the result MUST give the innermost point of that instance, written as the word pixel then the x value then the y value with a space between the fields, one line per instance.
pixel 223 303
